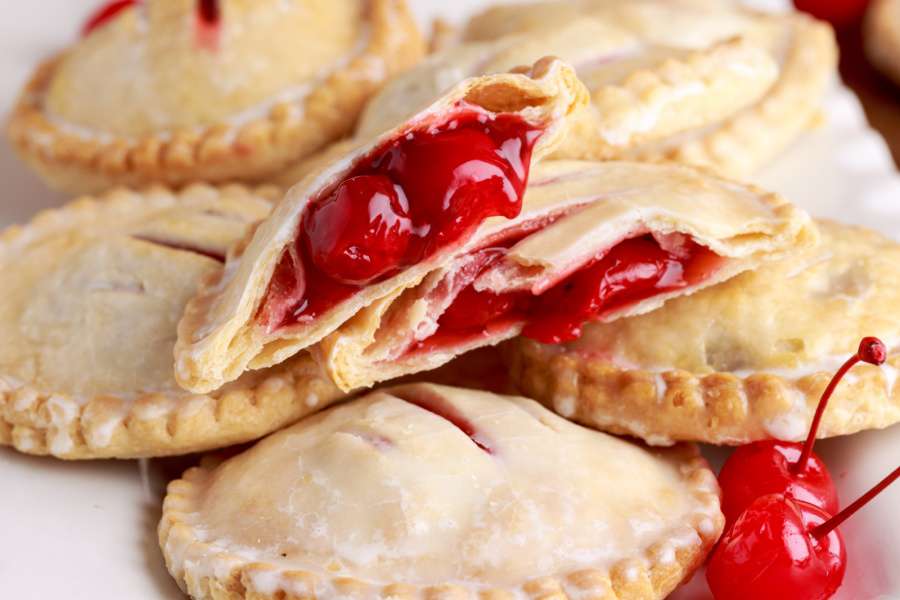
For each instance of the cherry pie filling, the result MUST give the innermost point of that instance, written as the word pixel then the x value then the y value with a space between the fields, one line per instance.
pixel 409 199
pixel 632 271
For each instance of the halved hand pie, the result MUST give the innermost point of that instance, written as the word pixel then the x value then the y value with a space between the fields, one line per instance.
pixel 376 221
pixel 742 361
pixel 594 242
pixel 424 491
pixel 736 144
pixel 92 293
pixel 176 91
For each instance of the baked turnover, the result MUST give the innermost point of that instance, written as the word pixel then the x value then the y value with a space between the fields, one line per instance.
pixel 426 491
pixel 176 91
pixel 92 295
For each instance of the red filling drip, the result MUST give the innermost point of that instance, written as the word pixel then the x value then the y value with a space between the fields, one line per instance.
pixel 412 197
pixel 104 14
pixel 634 270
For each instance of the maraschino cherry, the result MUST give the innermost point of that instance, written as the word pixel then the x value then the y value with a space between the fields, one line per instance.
pixel 781 548
pixel 104 14
pixel 789 468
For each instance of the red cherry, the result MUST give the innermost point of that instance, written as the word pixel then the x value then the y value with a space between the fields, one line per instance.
pixel 783 548
pixel 768 467
pixel 777 467
pixel 769 553
pixel 439 406
pixel 361 231
pixel 840 13
pixel 104 14
pixel 458 177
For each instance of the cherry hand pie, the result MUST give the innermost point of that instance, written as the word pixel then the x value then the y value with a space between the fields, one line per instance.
pixel 175 91
pixel 376 220
pixel 737 143
pixel 592 241
pixel 745 360
pixel 641 92
pixel 92 294
pixel 423 491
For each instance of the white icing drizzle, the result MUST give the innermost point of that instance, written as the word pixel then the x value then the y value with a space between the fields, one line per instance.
pixel 791 425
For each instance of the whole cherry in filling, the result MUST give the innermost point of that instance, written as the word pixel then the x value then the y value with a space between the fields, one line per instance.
pixel 789 468
pixel 413 197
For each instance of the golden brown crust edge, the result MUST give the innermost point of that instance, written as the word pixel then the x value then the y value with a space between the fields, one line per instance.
pixel 747 141
pixel 717 408
pixel 39 422
pixel 652 575
pixel 256 151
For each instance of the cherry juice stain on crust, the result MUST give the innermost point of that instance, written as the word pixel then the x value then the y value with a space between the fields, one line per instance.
pixel 208 24
pixel 105 14
pixel 439 406
pixel 631 271
pixel 404 202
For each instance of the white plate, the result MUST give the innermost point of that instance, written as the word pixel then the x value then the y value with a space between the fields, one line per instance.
pixel 87 530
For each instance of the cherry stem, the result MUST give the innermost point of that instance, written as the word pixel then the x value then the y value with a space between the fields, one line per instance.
pixel 872 351
pixel 825 528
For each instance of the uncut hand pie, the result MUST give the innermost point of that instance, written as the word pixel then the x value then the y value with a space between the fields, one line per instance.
pixel 176 91
pixel 735 143
pixel 375 220
pixel 882 37
pixel 745 360
pixel 424 491
pixel 92 293
pixel 641 91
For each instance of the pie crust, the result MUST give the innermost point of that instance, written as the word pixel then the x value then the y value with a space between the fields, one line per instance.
pixel 520 505
pixel 882 37
pixel 742 361
pixel 93 294
pixel 739 143
pixel 246 110
pixel 739 223
pixel 641 92
pixel 219 337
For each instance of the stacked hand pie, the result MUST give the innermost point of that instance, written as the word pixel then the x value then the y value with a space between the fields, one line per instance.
pixel 556 181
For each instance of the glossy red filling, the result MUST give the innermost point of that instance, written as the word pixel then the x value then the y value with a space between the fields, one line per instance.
pixel 634 270
pixel 412 197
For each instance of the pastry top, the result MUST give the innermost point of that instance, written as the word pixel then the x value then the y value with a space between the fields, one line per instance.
pixel 93 291
pixel 602 204
pixel 677 23
pixel 219 336
pixel 160 70
pixel 473 491
pixel 805 313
